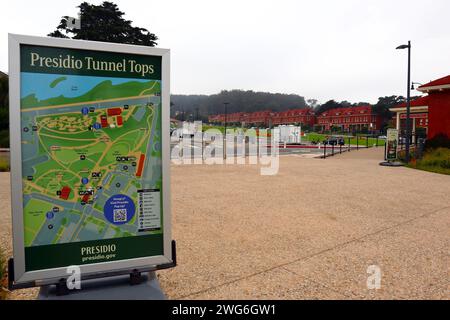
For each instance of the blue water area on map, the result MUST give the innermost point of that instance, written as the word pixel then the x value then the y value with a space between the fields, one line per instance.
pixel 74 86
pixel 119 209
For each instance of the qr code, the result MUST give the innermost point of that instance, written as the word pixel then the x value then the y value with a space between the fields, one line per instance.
pixel 120 215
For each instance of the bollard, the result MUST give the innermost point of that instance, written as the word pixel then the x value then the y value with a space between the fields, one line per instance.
pixel 357 142
pixel 324 150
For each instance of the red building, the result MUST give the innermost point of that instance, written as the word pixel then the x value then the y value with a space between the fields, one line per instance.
pixel 430 112
pixel 119 121
pixel 65 193
pixel 104 121
pixel 114 112
pixel 418 114
pixel 296 116
pixel 140 167
pixel 216 118
pixel 351 119
pixel 438 106
pixel 260 118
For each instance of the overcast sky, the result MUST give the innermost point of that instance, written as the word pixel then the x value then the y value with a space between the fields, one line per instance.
pixel 324 49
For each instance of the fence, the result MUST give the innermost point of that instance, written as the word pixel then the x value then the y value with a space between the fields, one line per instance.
pixel 347 144
pixel 417 145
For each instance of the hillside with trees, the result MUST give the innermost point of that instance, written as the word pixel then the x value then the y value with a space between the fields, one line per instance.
pixel 189 106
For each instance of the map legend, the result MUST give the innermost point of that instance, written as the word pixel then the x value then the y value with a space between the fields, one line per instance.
pixel 149 210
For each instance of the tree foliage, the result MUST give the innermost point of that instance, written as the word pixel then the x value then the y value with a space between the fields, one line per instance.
pixel 239 101
pixel 104 22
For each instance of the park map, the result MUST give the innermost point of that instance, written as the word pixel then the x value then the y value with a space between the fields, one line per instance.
pixel 91 158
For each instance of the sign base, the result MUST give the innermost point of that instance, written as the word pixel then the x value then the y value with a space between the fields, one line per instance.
pixel 391 164
pixel 114 288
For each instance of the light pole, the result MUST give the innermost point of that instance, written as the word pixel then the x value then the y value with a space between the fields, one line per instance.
pixel 225 131
pixel 408 100
pixel 415 83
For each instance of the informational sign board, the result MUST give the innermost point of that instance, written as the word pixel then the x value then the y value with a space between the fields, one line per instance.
pixel 89 156
pixel 391 144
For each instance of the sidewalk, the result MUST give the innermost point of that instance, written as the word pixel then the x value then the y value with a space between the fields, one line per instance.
pixel 311 232
pixel 308 233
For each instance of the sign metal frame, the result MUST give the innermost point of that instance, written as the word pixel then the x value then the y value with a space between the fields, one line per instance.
pixel 391 144
pixel 48 276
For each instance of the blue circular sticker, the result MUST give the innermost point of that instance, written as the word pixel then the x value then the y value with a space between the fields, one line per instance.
pixel 50 215
pixel 85 111
pixel 97 126
pixel 119 209
pixel 84 180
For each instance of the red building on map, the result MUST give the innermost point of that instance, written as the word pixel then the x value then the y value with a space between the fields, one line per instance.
pixel 104 121
pixel 65 192
pixel 119 121
pixel 140 167
pixel 85 198
pixel 114 112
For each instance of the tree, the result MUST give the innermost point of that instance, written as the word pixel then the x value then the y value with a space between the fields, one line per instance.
pixel 383 105
pixel 331 104
pixel 4 91
pixel 104 22
pixel 4 111
pixel 240 101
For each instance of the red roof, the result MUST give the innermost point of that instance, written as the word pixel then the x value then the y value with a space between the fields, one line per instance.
pixel 445 81
pixel 347 111
pixel 419 102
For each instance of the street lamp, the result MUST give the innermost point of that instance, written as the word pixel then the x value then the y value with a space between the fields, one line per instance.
pixel 225 132
pixel 412 86
pixel 408 100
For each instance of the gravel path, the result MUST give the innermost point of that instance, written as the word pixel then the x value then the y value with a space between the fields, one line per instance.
pixel 308 233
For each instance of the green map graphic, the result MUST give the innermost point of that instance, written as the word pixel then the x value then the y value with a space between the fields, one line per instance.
pixel 84 148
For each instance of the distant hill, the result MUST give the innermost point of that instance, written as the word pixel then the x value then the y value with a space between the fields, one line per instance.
pixel 103 91
pixel 240 101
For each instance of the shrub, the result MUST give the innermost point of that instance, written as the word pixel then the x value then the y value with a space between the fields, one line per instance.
pixel 439 141
pixel 2 277
pixel 4 165
pixel 435 160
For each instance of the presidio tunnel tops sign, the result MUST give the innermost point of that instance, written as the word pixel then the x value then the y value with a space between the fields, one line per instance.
pixel 88 62
pixel 90 156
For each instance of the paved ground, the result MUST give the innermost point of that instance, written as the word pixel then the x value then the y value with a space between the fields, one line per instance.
pixel 308 233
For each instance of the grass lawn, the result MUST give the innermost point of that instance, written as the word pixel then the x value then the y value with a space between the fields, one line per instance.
pixel 437 161
pixel 318 137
